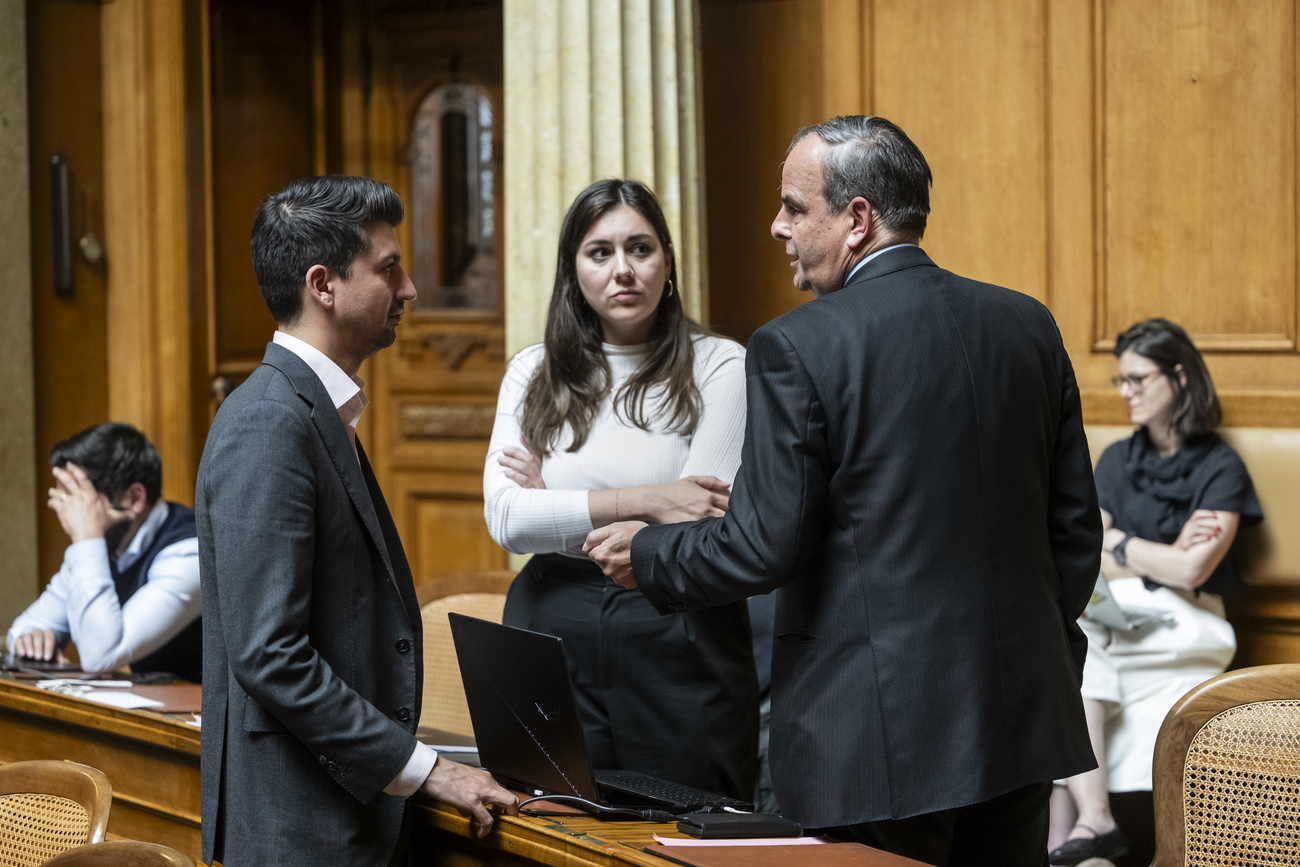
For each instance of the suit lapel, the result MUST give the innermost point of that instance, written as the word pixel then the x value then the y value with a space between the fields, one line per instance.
pixel 330 426
pixel 399 571
pixel 325 417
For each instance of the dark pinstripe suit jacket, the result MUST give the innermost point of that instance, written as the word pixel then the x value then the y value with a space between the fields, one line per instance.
pixel 916 481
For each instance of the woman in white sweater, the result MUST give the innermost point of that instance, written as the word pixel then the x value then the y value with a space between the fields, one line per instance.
pixel 627 411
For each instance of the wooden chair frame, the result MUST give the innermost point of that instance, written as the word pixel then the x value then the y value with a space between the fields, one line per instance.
pixel 1265 683
pixel 81 784
pixel 480 581
pixel 121 853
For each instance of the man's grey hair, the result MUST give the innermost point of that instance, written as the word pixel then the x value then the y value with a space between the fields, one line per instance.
pixel 872 158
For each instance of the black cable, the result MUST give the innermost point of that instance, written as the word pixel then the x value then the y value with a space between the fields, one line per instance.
pixel 599 809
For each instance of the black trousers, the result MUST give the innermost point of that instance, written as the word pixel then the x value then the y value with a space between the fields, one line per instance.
pixel 674 695
pixel 1007 831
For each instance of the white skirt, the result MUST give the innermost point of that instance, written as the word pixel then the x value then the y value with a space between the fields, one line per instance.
pixel 1140 675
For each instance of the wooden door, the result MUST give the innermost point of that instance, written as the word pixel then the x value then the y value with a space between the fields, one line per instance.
pixel 435 122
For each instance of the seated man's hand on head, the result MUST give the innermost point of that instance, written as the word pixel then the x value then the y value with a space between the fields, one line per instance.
pixel 84 512
pixel 471 791
pixel 610 547
pixel 38 644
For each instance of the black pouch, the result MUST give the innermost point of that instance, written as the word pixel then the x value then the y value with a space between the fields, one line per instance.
pixel 717 826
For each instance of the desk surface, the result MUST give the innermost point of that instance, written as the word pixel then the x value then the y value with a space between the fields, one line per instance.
pixel 152 761
pixel 442 838
pixel 163 730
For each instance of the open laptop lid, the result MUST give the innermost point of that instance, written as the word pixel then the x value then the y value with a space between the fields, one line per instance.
pixel 521 703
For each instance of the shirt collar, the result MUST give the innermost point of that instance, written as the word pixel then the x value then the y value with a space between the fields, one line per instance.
pixel 872 256
pixel 345 391
pixel 144 536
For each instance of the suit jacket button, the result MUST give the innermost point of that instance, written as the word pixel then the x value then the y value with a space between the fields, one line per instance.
pixel 324 761
pixel 403 646
pixel 403 715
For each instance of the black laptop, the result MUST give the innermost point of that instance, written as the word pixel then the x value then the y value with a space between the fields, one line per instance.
pixel 527 728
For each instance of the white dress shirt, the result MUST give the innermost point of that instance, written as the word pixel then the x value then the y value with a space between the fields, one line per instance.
pixel 80 603
pixel 349 399
pixel 855 268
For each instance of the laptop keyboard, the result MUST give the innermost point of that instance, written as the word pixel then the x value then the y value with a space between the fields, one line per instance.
pixel 665 790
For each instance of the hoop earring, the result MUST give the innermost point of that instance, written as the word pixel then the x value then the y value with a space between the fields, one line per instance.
pixel 671 288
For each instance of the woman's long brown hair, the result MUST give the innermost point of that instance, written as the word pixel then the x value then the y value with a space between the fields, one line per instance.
pixel 574 376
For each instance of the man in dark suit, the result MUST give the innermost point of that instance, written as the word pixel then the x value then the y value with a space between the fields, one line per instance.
pixel 916 482
pixel 312 640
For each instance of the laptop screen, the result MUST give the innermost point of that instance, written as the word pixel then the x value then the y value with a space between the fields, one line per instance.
pixel 521 702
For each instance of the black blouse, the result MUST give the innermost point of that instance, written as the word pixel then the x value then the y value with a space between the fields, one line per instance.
pixel 1152 497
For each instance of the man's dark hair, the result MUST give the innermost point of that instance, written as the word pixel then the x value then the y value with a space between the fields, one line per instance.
pixel 114 456
pixel 1166 344
pixel 314 221
pixel 872 158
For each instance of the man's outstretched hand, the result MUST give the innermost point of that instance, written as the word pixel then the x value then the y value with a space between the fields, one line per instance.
pixel 471 791
pixel 610 547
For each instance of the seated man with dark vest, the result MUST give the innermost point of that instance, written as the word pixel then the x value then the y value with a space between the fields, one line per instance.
pixel 128 592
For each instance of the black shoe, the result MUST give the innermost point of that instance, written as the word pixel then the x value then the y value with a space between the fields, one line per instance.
pixel 1109 846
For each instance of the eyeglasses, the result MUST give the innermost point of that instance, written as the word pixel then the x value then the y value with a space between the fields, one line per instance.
pixel 1136 382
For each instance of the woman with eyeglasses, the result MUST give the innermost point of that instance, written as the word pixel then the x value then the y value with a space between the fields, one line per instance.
pixel 627 411
pixel 1173 496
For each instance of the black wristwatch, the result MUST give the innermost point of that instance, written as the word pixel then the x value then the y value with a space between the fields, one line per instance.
pixel 1121 559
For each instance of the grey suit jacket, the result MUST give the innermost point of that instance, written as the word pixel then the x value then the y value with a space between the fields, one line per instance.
pixel 916 481
pixel 312 641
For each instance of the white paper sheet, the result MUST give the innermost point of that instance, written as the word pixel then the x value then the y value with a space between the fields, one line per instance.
pixel 127 700
pixel 751 841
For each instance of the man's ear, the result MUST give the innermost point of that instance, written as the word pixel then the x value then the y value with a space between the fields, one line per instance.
pixel 134 500
pixel 320 287
pixel 862 217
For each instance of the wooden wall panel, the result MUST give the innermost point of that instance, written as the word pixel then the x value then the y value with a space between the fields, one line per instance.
pixel 977 113
pixel 1116 160
pixel 69 337
pixel 264 135
pixel 1174 191
pixel 147 93
pixel 1198 182
pixel 439 515
pixel 966 81
pixel 759 87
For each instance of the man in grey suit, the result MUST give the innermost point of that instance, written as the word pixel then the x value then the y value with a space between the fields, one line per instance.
pixel 312 640
pixel 916 482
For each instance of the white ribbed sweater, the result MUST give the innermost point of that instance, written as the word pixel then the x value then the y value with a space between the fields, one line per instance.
pixel 616 454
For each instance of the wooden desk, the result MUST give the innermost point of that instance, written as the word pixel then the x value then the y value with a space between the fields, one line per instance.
pixel 441 838
pixel 151 759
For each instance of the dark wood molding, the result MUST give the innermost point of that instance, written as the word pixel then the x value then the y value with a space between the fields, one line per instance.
pixel 1267 621
pixel 440 422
